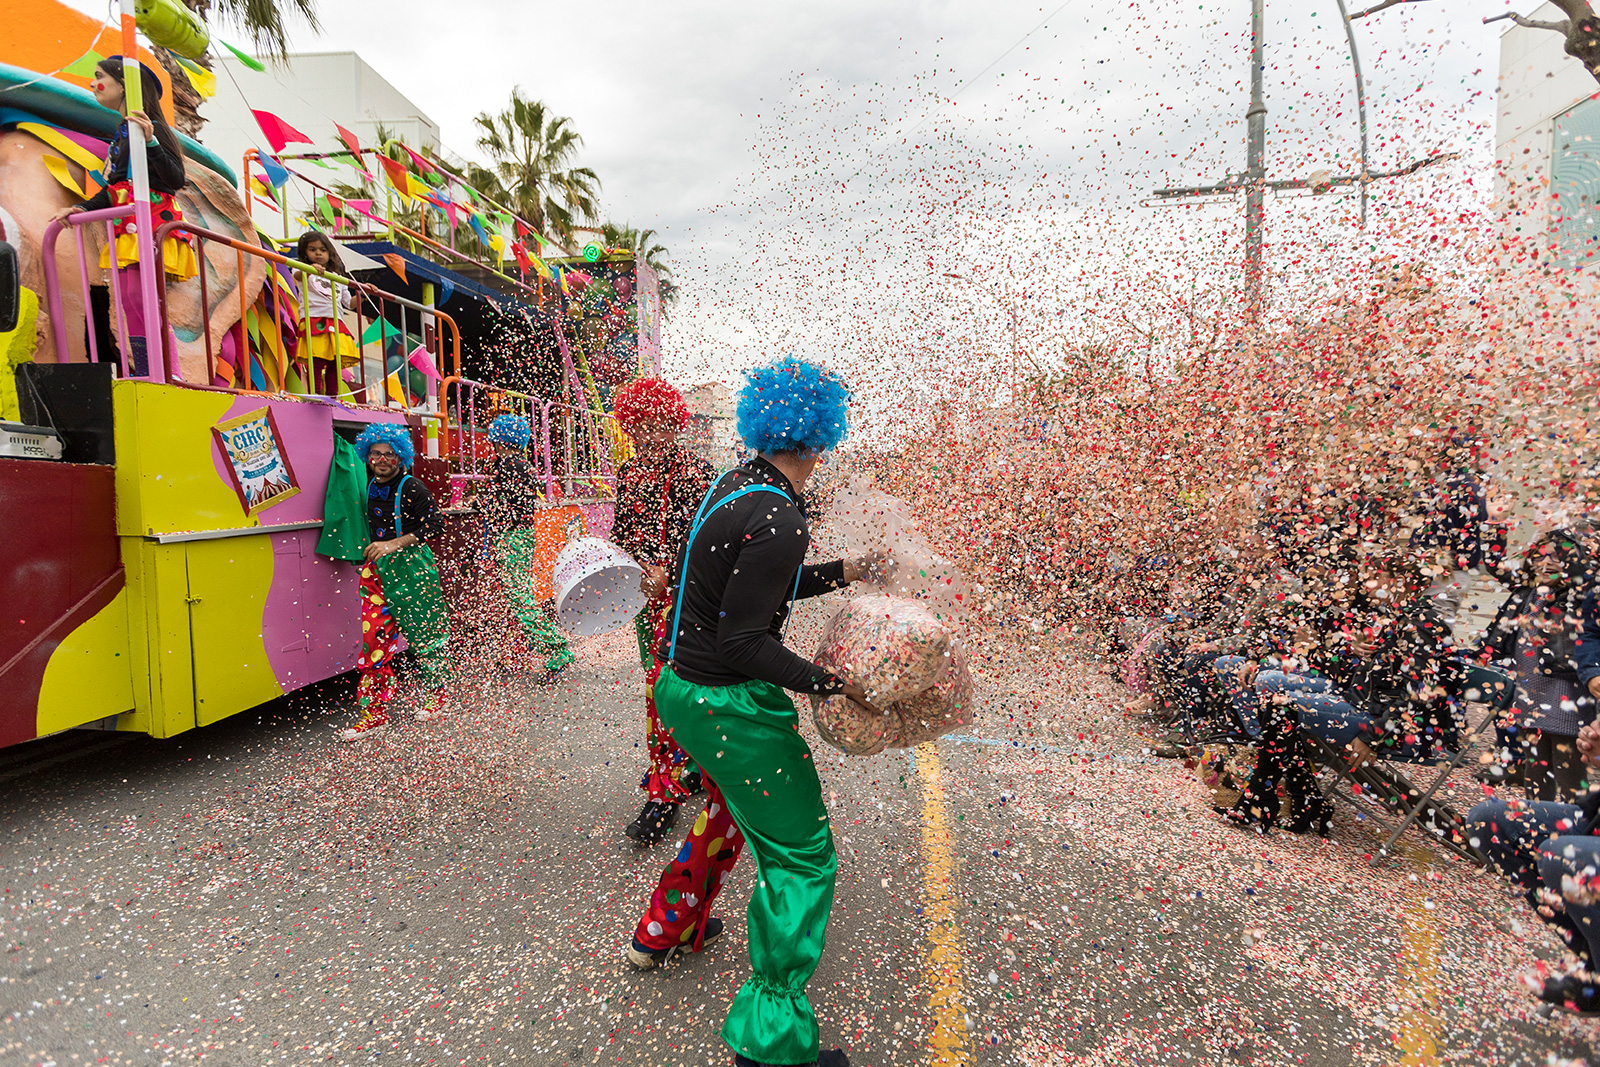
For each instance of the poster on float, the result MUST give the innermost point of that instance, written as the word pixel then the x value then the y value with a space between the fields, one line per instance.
pixel 253 452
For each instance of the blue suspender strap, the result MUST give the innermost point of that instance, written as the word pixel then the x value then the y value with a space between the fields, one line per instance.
pixel 397 490
pixel 699 520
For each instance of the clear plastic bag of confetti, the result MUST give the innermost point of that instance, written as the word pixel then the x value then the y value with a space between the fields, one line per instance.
pixel 942 707
pixel 911 665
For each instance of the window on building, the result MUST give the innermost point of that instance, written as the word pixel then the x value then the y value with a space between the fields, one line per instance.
pixel 1575 183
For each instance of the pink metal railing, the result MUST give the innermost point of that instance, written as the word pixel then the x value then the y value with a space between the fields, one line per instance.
pixel 161 348
pixel 572 449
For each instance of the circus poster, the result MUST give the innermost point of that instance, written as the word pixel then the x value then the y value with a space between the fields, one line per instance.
pixel 253 452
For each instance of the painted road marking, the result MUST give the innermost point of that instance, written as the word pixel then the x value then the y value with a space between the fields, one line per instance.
pixel 949 1040
pixel 1419 931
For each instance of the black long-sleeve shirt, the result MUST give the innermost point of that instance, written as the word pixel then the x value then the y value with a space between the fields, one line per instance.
pixel 510 502
pixel 414 513
pixel 740 574
pixel 166 169
pixel 656 503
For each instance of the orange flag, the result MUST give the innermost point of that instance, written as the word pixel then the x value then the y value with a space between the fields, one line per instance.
pixel 397 265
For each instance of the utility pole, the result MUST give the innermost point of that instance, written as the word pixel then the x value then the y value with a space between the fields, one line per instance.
pixel 1253 182
pixel 1255 168
pixel 1361 105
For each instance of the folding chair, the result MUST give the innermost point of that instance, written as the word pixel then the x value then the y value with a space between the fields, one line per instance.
pixel 1480 685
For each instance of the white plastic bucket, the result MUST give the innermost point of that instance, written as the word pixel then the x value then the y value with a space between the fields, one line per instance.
pixel 597 587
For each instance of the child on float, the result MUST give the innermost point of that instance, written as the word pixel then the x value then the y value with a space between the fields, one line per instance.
pixel 722 693
pixel 400 590
pixel 508 517
pixel 658 490
pixel 330 346
pixel 164 157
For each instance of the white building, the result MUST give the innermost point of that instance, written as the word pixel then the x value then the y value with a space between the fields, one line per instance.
pixel 310 91
pixel 1547 138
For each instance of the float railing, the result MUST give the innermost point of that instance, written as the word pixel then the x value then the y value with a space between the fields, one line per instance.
pixel 440 337
pixel 80 224
pixel 397 230
pixel 572 450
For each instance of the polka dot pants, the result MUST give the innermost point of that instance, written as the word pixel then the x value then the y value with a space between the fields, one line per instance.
pixel 693 879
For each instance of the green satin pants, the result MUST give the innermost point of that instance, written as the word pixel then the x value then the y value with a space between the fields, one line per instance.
pixel 746 739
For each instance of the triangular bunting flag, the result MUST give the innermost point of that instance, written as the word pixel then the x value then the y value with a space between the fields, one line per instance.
pixel 277 173
pixel 398 178
pixel 397 265
pixel 83 66
pixel 204 82
pixel 277 131
pixel 250 61
pixel 351 141
pixel 421 360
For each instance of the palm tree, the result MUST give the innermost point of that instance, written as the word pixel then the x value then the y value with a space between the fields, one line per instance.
pixel 533 151
pixel 262 20
pixel 621 235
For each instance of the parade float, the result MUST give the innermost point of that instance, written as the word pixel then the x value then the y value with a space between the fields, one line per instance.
pixel 162 570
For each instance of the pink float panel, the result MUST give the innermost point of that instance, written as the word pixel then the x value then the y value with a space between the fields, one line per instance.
pixel 311 624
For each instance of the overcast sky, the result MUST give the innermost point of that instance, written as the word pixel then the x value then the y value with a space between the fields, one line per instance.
pixel 817 168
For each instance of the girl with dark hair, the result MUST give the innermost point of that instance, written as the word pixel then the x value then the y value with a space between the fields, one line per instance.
pixel 330 345
pixel 165 159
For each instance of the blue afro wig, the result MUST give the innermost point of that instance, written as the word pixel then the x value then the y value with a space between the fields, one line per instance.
pixel 793 406
pixel 392 434
pixel 510 430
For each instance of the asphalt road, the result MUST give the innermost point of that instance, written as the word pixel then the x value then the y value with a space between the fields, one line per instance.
pixel 459 892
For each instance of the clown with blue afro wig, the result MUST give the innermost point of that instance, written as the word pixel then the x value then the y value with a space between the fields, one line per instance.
pixel 791 405
pixel 510 430
pixel 393 434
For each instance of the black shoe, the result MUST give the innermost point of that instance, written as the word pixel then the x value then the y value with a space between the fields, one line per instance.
pixel 693 783
pixel 653 823
pixel 1576 994
pixel 1313 813
pixel 833 1057
pixel 645 958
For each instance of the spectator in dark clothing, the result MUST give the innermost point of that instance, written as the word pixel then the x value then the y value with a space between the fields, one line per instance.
pixel 1457 534
pixel 1551 851
pixel 1537 634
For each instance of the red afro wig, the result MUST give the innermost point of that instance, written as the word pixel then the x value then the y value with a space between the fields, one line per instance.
pixel 650 402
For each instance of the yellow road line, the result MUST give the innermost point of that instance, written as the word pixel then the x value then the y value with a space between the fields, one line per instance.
pixel 942 967
pixel 1420 933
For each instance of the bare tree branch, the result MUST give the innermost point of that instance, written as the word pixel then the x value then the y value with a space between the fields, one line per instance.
pixel 1561 27
pixel 1581 28
pixel 1379 7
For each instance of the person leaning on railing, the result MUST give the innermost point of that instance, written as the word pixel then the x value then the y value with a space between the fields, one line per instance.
pixel 164 158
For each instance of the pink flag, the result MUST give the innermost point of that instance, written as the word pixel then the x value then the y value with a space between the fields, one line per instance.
pixel 350 141
pixel 278 132
pixel 421 161
pixel 424 363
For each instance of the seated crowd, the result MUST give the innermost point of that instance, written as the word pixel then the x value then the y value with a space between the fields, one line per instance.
pixel 1333 640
